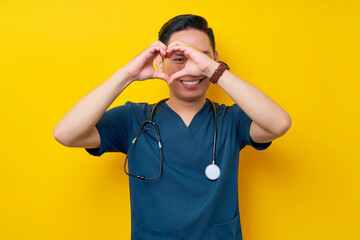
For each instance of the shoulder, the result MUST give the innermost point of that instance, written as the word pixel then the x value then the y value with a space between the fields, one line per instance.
pixel 129 109
pixel 138 111
pixel 226 110
pixel 142 106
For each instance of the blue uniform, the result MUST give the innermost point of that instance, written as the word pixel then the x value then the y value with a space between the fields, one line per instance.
pixel 183 203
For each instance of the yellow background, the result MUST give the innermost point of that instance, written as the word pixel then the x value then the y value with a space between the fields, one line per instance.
pixel 303 54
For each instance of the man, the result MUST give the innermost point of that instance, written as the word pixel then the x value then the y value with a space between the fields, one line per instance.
pixel 182 201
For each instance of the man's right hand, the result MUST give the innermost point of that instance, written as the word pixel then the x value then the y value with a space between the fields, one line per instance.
pixel 141 67
pixel 77 127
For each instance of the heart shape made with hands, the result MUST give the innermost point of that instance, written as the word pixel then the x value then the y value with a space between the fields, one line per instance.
pixel 190 67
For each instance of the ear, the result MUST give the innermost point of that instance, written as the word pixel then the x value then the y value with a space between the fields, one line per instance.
pixel 158 63
pixel 216 56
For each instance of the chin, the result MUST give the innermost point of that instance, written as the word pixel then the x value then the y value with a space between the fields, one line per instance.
pixel 188 95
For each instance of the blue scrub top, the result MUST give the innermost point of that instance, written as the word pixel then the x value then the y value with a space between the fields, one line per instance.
pixel 183 203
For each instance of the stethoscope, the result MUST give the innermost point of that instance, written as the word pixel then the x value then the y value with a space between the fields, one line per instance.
pixel 212 171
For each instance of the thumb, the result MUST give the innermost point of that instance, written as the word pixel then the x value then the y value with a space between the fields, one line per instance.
pixel 178 74
pixel 161 75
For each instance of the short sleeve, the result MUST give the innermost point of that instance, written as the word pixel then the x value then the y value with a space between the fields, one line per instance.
pixel 244 123
pixel 113 129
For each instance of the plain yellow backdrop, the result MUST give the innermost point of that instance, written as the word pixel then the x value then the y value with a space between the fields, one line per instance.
pixel 303 54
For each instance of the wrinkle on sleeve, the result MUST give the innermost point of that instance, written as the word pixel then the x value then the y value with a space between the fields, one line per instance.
pixel 244 123
pixel 113 129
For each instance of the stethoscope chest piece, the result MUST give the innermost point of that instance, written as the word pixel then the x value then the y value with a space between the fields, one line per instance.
pixel 212 171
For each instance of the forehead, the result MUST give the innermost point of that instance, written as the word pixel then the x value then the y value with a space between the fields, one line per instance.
pixel 193 37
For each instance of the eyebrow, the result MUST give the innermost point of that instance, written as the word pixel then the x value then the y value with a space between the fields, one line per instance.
pixel 207 52
pixel 178 54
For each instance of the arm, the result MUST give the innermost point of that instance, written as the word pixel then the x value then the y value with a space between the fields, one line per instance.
pixel 77 127
pixel 270 121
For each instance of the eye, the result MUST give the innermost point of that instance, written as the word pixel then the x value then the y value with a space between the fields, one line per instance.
pixel 179 59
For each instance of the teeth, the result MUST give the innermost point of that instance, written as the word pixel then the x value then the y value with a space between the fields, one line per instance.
pixel 190 83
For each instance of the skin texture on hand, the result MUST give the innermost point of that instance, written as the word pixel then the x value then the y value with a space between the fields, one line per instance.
pixel 141 67
pixel 197 63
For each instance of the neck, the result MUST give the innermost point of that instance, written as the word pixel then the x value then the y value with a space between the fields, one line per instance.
pixel 186 107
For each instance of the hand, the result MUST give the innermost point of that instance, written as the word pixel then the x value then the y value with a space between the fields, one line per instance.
pixel 141 67
pixel 197 64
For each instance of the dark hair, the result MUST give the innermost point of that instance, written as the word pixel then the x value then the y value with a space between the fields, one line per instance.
pixel 183 22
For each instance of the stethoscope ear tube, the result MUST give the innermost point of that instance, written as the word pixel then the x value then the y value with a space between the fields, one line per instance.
pixel 141 129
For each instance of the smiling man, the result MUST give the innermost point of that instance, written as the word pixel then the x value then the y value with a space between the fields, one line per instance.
pixel 183 186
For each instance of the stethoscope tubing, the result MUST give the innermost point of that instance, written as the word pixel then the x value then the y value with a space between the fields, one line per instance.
pixel 150 121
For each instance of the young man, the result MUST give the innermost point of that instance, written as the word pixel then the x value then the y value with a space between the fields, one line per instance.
pixel 185 199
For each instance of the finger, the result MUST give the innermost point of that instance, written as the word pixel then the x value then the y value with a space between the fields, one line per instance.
pixel 161 75
pixel 156 50
pixel 178 75
pixel 158 43
pixel 170 55
pixel 178 43
pixel 181 46
pixel 161 44
pixel 162 51
pixel 199 58
pixel 187 51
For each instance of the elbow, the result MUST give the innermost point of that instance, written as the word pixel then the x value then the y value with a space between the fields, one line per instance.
pixel 283 126
pixel 60 137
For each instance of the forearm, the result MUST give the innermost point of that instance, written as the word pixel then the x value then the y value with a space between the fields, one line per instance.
pixel 258 106
pixel 271 120
pixel 87 112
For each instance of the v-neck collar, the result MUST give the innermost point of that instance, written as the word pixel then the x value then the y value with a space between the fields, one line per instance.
pixel 203 109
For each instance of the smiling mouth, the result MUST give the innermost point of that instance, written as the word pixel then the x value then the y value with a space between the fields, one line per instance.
pixel 191 83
